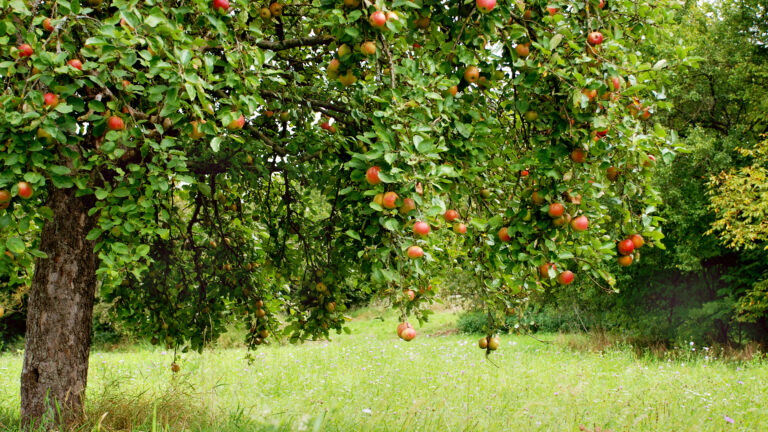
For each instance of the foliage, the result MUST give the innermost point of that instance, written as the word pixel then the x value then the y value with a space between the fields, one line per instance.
pixel 207 199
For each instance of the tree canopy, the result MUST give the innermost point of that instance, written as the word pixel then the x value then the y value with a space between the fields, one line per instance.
pixel 252 161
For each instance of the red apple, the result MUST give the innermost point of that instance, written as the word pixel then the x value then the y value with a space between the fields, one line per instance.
pixel 75 63
pixel 25 189
pixel 544 269
pixel 408 206
pixel 379 199
pixel 485 6
pixel 237 123
pixel 421 228
pixel 522 50
pixel 390 198
pixel 51 100
pixel 556 210
pixel 411 294
pixel 637 240
pixel 419 188
pixel 48 25
pixel 401 327
pixel 590 94
pixel 408 334
pixel 565 278
pixel 368 48
pixel 378 19
pixel 453 90
pixel 626 247
pixel 220 5
pixel 524 173
pixel 602 4
pixel 580 223
pixel 5 196
pixel 115 123
pixel 472 74
pixel 625 261
pixel 552 10
pixel 415 252
pixel 595 38
pixel 578 155
pixel 451 215
pixel 276 9
pixel 504 235
pixel 615 83
pixel 372 175
pixel 25 50
pixel 459 228
pixel 537 198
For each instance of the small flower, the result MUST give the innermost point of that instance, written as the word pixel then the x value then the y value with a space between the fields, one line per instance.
pixel 729 420
pixel 367 411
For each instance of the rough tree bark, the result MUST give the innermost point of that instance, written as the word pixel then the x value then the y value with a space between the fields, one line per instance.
pixel 58 338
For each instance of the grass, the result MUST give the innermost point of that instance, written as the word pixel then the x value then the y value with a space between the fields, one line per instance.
pixel 371 381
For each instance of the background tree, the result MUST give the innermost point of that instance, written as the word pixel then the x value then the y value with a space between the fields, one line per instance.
pixel 174 156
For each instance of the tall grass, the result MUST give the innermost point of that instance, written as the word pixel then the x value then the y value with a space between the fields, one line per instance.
pixel 372 381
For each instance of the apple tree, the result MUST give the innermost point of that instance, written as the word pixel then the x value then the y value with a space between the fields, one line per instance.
pixel 204 162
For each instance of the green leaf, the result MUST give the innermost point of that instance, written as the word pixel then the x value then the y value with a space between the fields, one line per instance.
pixel 15 245
pixel 215 144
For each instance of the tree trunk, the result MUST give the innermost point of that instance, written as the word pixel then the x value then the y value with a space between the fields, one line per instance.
pixel 58 338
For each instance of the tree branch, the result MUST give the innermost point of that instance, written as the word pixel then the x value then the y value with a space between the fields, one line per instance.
pixel 295 43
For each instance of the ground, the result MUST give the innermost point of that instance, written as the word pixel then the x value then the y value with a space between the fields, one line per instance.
pixel 372 381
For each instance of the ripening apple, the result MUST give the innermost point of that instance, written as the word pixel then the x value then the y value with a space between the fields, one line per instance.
pixel 451 215
pixel 351 3
pixel 524 173
pixel 625 260
pixel 402 326
pixel 537 198
pixel 590 94
pixel 626 247
pixel 485 193
pixel 343 50
pixel 393 16
pixel 372 175
pixel 408 334
pixel 50 100
pixel 472 74
pixel 459 228
pixel 602 4
pixel 276 9
pixel 334 65
pixel 47 25
pixel 411 294
pixel 453 90
pixel 265 14
pixel 615 83
pixel 556 210
pixel 237 123
pixel 580 223
pixel 421 228
pixel 25 189
pixel 5 196
pixel 368 48
pixel 504 234
pixel 544 269
pixel 330 307
pixel 483 343
pixel 379 199
pixel 637 240
pixel 595 38
pixel 415 252
pixel 422 22
pixel 390 198
pixel 348 79
pixel 220 5
pixel 175 367
pixel 552 10
pixel 651 159
pixel 645 115
pixel 612 173
pixel 378 19
pixel 75 63
pixel 485 6
pixel 565 278
pixel 408 206
pixel 115 123
pixel 25 50
pixel 578 155
pixel 522 50
pixel 531 116
pixel 196 132
pixel 493 343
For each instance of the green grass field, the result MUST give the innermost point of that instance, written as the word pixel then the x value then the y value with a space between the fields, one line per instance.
pixel 372 381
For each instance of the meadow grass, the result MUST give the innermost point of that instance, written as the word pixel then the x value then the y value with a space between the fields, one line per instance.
pixel 372 381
